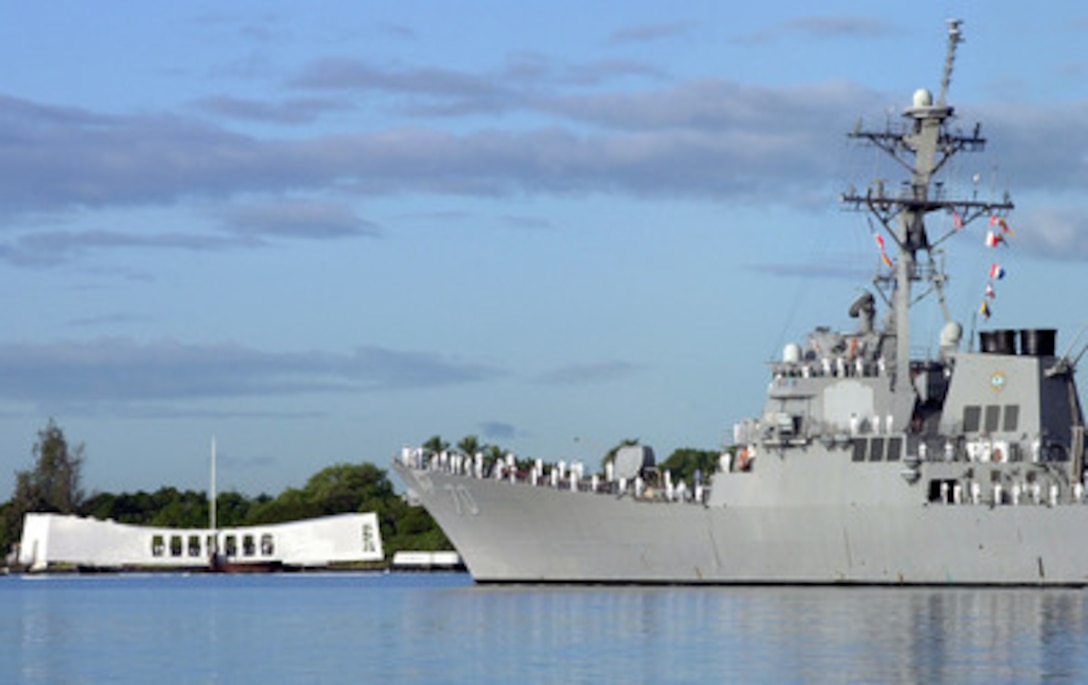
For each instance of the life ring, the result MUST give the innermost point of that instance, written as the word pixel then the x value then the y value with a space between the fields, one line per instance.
pixel 853 349
pixel 742 459
pixel 997 455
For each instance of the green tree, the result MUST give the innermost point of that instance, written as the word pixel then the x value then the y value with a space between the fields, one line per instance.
pixel 342 488
pixel 470 445
pixel 683 463
pixel 188 509
pixel 52 485
pixel 434 445
pixel 408 527
pixel 9 533
pixel 494 453
pixel 137 508
pixel 291 505
pixel 54 482
pixel 231 509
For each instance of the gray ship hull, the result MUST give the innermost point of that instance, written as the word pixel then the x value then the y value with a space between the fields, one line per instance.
pixel 519 533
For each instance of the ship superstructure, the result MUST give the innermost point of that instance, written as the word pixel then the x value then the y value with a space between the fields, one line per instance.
pixel 865 466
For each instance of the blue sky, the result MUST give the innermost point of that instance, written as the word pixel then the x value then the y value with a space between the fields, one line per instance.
pixel 321 231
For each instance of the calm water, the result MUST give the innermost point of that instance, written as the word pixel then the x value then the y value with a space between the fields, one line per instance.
pixel 441 629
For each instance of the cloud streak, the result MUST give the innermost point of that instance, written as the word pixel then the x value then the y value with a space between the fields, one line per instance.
pixel 245 226
pixel 115 372
pixel 821 27
pixel 300 219
pixel 292 111
pixel 840 26
pixel 96 161
pixel 708 139
pixel 647 33
pixel 579 374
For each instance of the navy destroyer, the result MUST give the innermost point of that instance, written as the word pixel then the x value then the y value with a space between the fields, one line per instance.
pixel 867 466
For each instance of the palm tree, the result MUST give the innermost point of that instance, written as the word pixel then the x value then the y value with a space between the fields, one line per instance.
pixel 494 453
pixel 434 446
pixel 470 445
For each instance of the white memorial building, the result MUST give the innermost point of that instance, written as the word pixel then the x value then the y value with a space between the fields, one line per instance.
pixel 57 541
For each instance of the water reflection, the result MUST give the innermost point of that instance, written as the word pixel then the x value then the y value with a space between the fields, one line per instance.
pixel 761 634
pixel 441 629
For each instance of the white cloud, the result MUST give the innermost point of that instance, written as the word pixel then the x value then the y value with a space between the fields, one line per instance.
pixel 1053 233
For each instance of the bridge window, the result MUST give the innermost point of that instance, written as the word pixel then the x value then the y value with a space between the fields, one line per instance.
pixel 972 416
pixel 895 447
pixel 859 450
pixel 1012 418
pixel 942 491
pixel 993 415
pixel 876 449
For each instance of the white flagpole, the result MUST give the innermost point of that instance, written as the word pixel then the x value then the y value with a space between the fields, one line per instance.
pixel 212 496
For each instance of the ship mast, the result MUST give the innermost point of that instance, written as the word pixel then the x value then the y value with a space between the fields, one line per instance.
pixel 922 145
